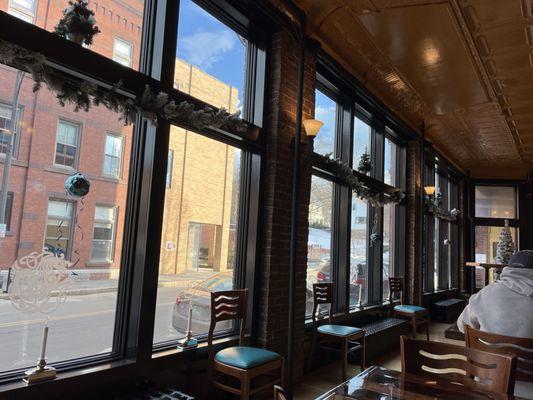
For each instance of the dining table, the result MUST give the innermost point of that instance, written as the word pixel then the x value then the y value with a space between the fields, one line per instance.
pixel 378 383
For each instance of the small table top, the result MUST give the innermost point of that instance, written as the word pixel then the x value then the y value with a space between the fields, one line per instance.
pixel 485 265
pixel 377 383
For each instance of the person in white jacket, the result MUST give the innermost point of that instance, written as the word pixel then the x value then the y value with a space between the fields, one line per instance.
pixel 505 307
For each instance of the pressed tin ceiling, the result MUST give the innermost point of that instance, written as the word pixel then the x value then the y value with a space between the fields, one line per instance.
pixel 464 67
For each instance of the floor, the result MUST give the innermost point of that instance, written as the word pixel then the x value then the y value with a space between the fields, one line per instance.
pixel 320 381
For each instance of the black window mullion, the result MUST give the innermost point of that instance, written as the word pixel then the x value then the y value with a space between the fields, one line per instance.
pixel 429 237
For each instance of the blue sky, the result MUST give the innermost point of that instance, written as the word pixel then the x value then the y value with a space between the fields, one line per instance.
pixel 207 43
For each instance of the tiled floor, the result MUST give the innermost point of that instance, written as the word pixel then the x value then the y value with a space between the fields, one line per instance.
pixel 329 376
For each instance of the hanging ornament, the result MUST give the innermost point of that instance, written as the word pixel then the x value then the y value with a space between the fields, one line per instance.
pixel 77 185
pixel 375 236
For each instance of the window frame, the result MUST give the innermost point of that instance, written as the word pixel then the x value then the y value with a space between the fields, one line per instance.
pixel 121 158
pixel 18 130
pixel 137 289
pixel 350 106
pixel 119 56
pixel 79 129
pixel 21 11
pixel 113 234
pixel 72 219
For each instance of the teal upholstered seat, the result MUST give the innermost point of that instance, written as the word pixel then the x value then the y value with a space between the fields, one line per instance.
pixel 409 308
pixel 245 357
pixel 338 330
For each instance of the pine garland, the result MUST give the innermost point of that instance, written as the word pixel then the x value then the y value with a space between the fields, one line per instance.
pixel 373 197
pixel 434 206
pixel 82 95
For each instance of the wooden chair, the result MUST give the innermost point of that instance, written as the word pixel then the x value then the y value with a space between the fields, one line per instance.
pixel 279 393
pixel 442 363
pixel 241 362
pixel 350 338
pixel 522 348
pixel 418 315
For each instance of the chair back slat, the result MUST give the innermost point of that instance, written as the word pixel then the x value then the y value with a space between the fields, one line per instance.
pixel 395 286
pixel 227 305
pixel 474 369
pixel 322 294
pixel 522 348
pixel 279 393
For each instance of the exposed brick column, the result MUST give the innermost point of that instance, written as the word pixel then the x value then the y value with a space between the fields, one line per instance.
pixel 413 271
pixel 273 298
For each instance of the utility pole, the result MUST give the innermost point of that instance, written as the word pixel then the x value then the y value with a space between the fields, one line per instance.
pixel 12 126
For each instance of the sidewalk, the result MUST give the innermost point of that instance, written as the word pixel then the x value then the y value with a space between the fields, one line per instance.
pixel 81 285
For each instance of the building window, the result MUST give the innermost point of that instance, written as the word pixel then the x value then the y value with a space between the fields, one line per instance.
pixel 67 142
pixel 122 52
pixel 59 227
pixel 114 146
pixel 170 166
pixel 23 9
pixel 8 211
pixel 5 136
pixel 103 245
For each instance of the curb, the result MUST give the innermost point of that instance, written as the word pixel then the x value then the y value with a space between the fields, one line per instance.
pixel 81 292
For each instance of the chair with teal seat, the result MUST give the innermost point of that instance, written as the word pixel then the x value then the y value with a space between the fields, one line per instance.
pixel 416 314
pixel 241 362
pixel 350 338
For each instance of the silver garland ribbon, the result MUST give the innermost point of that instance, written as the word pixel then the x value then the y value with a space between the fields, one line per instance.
pixel 83 95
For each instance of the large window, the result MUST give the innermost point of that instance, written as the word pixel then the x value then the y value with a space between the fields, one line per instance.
pixel 203 244
pixel 319 240
pixel 441 235
pixel 87 233
pixel 493 206
pixel 341 225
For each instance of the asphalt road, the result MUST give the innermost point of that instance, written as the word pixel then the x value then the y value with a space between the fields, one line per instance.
pixel 81 326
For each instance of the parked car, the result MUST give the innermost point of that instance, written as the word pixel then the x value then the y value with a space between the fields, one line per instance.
pixel 200 297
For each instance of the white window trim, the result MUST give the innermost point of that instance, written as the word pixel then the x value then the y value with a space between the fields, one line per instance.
pixel 121 161
pixel 118 56
pixel 15 10
pixel 78 142
pixel 113 234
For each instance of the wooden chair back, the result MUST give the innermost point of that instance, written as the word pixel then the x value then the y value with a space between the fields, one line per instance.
pixel 476 370
pixel 227 305
pixel 322 294
pixel 522 348
pixel 395 286
pixel 279 393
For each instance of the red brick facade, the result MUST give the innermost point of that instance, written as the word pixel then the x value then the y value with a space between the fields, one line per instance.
pixel 34 177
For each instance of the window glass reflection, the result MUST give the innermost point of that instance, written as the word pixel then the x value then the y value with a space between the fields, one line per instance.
pixel 358 252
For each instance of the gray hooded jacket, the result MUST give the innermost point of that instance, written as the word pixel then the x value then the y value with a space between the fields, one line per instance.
pixel 504 307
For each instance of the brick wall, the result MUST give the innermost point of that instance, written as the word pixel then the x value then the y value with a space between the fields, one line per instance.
pixel 413 268
pixel 273 301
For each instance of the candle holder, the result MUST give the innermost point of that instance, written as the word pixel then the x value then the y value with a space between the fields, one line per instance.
pixel 188 342
pixel 40 373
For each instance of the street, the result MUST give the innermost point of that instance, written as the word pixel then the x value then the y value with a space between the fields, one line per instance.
pixel 82 326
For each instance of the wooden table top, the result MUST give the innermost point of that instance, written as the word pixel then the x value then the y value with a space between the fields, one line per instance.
pixel 377 383
pixel 485 265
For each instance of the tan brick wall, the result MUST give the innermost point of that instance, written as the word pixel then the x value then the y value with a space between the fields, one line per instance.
pixel 202 176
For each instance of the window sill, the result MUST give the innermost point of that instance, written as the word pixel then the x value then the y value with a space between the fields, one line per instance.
pixel 174 351
pixel 16 386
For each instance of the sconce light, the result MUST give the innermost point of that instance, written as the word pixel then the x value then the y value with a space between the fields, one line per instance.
pixel 312 126
pixel 429 190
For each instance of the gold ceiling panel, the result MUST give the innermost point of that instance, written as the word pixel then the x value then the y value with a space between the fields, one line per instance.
pixel 464 67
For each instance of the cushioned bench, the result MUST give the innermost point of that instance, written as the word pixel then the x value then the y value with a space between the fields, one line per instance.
pixel 448 310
